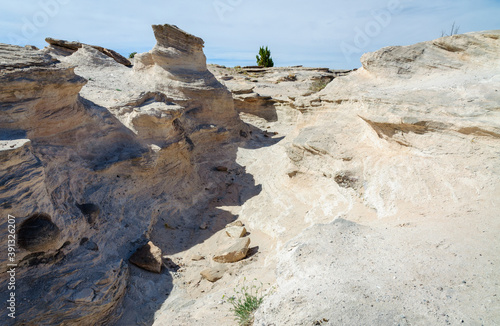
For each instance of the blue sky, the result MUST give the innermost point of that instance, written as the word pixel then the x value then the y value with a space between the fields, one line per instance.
pixel 315 33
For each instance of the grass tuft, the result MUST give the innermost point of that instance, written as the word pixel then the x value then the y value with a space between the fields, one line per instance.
pixel 245 302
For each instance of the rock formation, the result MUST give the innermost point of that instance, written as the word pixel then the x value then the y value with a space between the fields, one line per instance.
pixel 68 48
pixel 101 166
pixel 369 197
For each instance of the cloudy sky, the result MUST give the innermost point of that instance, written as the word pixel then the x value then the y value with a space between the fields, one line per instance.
pixel 315 33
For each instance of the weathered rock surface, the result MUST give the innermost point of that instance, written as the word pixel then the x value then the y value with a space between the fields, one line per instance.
pixel 261 92
pixel 16 57
pixel 68 48
pixel 408 145
pixel 148 257
pixel 175 51
pixel 234 251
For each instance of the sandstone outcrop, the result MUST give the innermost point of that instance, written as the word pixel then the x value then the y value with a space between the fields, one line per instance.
pixel 407 181
pixel 175 51
pixel 101 161
pixel 68 48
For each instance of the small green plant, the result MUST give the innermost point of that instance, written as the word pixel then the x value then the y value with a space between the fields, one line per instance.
pixel 264 57
pixel 245 302
pixel 132 55
pixel 453 31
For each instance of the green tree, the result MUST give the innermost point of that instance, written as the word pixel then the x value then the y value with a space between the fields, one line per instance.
pixel 264 57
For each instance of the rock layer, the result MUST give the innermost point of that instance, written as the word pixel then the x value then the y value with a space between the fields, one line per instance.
pixel 69 48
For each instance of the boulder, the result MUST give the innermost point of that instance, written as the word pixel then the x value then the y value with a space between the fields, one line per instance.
pixel 233 252
pixel 239 89
pixel 148 257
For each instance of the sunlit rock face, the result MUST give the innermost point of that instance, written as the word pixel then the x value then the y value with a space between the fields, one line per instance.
pixel 406 150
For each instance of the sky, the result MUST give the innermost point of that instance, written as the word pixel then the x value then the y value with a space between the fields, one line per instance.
pixel 313 33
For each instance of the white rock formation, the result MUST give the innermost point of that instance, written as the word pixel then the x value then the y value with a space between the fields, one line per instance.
pixel 372 200
pixel 103 167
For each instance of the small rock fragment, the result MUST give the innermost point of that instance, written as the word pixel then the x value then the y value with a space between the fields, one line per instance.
pixel 197 257
pixel 213 274
pixel 221 168
pixel 148 257
pixel 236 251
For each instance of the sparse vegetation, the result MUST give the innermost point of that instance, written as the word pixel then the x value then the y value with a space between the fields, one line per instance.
pixel 245 302
pixel 291 77
pixel 453 31
pixel 264 57
pixel 132 55
pixel 318 85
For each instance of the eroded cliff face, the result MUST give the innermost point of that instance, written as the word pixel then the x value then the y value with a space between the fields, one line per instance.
pixel 88 173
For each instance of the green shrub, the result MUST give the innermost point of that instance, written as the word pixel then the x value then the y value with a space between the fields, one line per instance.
pixel 264 57
pixel 245 302
pixel 131 55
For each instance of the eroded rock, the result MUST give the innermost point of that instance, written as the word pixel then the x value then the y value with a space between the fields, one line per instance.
pixel 175 51
pixel 71 47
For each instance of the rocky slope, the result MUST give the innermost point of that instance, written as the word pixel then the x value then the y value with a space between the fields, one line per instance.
pixel 365 197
